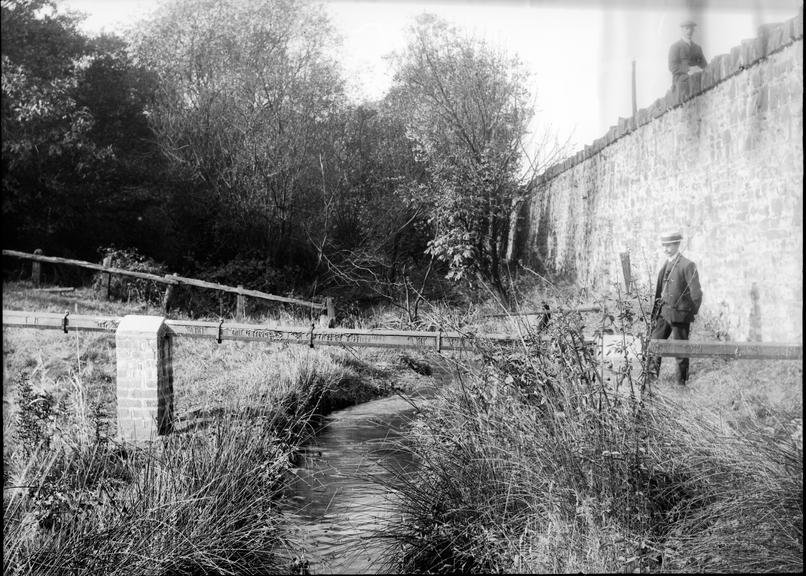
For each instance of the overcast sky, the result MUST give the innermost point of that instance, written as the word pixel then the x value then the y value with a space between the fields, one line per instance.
pixel 580 52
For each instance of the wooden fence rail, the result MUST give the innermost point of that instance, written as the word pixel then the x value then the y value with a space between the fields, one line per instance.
pixel 735 350
pixel 263 333
pixel 385 338
pixel 590 308
pixel 143 348
pixel 171 280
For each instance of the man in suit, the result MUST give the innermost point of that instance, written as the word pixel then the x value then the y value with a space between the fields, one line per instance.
pixel 685 57
pixel 677 300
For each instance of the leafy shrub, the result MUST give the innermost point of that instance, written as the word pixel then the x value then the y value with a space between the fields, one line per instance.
pixel 35 417
pixel 126 287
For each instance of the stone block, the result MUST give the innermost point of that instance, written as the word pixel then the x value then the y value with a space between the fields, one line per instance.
pixel 598 144
pixel 726 69
pixel 669 100
pixel 792 29
pixel 621 127
pixel 642 117
pixel 764 30
pixel 736 59
pixel 760 48
pixel 707 80
pixel 775 41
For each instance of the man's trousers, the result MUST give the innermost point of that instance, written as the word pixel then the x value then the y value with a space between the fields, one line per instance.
pixel 661 330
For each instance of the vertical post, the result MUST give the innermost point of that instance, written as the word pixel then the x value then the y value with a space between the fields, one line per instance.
pixel 634 103
pixel 754 334
pixel 144 378
pixel 166 300
pixel 240 304
pixel 220 304
pixel 36 269
pixel 107 280
pixel 331 312
pixel 625 268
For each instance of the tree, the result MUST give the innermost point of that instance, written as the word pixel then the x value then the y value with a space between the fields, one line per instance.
pixel 44 131
pixel 372 236
pixel 78 166
pixel 245 90
pixel 467 109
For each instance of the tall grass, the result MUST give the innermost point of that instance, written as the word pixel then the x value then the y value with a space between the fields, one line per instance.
pixel 532 463
pixel 203 501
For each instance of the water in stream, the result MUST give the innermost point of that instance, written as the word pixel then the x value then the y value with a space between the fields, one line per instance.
pixel 337 501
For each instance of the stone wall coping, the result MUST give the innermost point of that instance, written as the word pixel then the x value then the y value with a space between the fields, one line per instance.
pixel 771 38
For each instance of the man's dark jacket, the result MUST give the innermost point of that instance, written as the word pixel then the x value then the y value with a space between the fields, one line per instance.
pixel 682 55
pixel 682 298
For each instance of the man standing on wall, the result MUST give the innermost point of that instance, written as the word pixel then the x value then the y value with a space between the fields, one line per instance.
pixel 685 57
pixel 677 300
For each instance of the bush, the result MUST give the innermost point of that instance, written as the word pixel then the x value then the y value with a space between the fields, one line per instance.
pixel 126 287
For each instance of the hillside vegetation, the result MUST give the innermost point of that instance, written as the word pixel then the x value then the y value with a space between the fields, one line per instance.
pixel 216 140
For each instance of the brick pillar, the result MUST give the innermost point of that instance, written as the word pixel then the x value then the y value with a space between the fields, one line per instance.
pixel 144 378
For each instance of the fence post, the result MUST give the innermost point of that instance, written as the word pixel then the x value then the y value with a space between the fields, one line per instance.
pixel 107 263
pixel 625 268
pixel 144 378
pixel 166 300
pixel 36 269
pixel 331 312
pixel 240 304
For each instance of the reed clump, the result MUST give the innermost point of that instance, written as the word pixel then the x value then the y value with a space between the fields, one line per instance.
pixel 536 462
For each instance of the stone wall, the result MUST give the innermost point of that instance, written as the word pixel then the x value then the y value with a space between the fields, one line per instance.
pixel 723 164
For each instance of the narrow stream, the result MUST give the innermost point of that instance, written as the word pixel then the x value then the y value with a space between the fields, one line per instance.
pixel 336 501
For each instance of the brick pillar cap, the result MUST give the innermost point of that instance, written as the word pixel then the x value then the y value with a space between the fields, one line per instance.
pixel 140 324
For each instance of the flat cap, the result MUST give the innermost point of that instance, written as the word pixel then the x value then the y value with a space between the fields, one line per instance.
pixel 688 23
pixel 671 238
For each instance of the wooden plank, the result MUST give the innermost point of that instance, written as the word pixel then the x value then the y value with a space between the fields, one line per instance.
pixel 55 289
pixel 89 265
pixel 251 293
pixel 168 279
pixel 332 336
pixel 736 350
pixel 256 332
pixel 592 308
pixel 54 320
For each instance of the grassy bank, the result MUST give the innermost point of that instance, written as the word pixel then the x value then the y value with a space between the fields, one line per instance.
pixel 531 464
pixel 200 501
